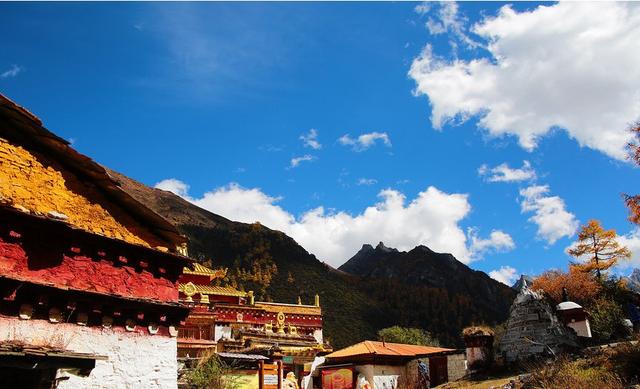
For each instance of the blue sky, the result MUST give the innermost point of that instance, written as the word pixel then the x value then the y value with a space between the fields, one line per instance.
pixel 216 101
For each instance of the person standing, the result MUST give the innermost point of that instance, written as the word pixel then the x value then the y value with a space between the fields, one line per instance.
pixel 424 380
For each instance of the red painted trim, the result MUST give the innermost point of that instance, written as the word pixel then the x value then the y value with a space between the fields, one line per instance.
pixel 48 264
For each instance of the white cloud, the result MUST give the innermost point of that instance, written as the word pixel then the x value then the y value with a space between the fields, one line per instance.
pixel 632 242
pixel 367 181
pixel 271 148
pixel 570 65
pixel 503 173
pixel 175 186
pixel 550 215
pixel 216 61
pixel 435 27
pixel 448 19
pixel 432 219
pixel 506 274
pixel 498 241
pixel 297 160
pixel 365 141
pixel 422 8
pixel 311 139
pixel 13 71
pixel 245 205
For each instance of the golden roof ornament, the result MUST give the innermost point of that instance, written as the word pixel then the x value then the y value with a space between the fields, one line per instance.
pixel 189 289
pixel 201 270
pixel 280 320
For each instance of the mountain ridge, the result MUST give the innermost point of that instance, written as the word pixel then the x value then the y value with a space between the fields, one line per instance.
pixel 421 267
pixel 355 306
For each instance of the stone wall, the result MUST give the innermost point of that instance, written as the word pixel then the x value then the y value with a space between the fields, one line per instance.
pixel 533 329
pixel 456 366
pixel 135 360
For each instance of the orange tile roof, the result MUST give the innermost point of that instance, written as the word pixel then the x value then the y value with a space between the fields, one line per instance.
pixel 371 348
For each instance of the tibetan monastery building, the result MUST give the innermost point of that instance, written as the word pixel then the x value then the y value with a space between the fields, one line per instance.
pixel 88 276
pixel 228 320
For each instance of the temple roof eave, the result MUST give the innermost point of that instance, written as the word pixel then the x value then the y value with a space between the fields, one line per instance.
pixel 212 290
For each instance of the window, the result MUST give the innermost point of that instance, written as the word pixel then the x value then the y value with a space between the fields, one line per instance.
pixel 203 332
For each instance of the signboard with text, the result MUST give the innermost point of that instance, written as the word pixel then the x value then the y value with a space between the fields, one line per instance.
pixel 270 376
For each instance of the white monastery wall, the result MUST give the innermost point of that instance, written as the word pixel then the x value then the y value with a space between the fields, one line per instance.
pixel 381 376
pixel 582 328
pixel 136 360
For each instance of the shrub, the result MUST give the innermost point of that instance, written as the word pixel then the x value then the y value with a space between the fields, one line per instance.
pixel 397 334
pixel 606 319
pixel 568 374
pixel 211 373
pixel 624 359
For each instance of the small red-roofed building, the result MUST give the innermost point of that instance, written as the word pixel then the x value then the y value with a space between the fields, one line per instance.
pixel 392 365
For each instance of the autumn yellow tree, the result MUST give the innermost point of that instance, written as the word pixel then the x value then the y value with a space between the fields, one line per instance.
pixel 597 249
pixel 633 201
pixel 580 286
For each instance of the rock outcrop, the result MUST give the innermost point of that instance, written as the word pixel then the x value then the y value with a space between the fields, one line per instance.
pixel 523 282
pixel 633 281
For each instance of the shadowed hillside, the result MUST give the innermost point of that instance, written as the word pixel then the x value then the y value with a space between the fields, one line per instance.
pixel 362 297
pixel 251 251
pixel 434 291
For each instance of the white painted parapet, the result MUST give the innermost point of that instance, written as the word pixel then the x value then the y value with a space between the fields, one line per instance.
pixel 136 359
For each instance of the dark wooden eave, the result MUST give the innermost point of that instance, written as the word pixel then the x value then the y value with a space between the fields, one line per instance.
pixel 14 293
pixel 169 259
pixel 31 357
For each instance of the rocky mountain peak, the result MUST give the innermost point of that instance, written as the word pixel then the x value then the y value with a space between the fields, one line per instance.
pixel 423 248
pixel 385 249
pixel 366 248
pixel 523 281
pixel 633 281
